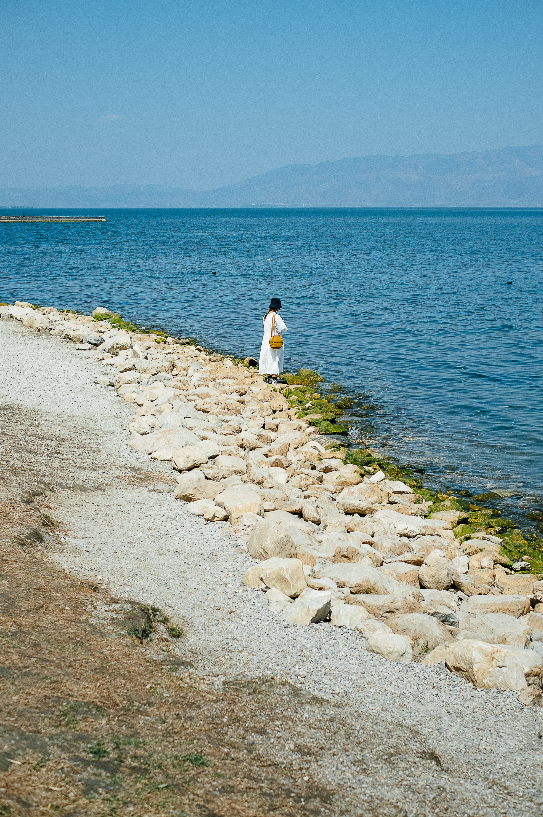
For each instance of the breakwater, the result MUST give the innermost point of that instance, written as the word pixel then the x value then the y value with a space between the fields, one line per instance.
pixel 333 537
pixel 48 219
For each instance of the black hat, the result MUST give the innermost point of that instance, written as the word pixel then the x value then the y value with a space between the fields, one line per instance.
pixel 275 303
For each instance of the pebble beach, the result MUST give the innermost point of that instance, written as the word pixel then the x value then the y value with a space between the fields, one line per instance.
pixel 280 560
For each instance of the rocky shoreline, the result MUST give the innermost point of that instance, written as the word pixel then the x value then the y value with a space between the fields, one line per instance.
pixel 331 539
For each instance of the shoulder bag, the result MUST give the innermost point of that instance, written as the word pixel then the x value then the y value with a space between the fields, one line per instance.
pixel 276 341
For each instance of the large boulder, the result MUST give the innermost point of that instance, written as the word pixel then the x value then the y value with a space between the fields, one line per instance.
pixel 349 615
pixel 495 628
pixel 192 486
pixel 360 578
pixel 239 500
pixel 510 605
pixel 471 584
pixel 410 526
pixel 425 631
pixel 515 585
pixel 225 466
pixel 117 343
pixel 360 499
pixel 310 607
pixel 436 572
pixel 442 605
pixel 391 646
pixel 287 575
pixel 535 622
pixel 33 320
pixel 193 455
pixel 268 539
pixel 390 604
pixel 166 438
pixel 402 572
pixel 490 666
pixel 346 476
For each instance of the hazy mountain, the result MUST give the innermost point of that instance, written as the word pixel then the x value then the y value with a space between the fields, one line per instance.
pixel 512 177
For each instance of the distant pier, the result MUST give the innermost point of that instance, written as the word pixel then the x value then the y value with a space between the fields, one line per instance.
pixel 47 219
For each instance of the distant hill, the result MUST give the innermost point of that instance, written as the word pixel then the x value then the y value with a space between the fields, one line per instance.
pixel 511 177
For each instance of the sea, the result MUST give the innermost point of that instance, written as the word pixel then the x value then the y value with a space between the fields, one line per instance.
pixel 431 319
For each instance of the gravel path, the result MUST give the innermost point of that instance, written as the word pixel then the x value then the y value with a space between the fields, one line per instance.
pixel 126 531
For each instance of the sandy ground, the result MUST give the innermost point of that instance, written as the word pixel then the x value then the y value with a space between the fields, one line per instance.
pixel 386 739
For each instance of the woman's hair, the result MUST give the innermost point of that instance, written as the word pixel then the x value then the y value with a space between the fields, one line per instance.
pixel 271 310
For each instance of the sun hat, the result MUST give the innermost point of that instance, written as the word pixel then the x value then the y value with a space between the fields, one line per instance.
pixel 275 303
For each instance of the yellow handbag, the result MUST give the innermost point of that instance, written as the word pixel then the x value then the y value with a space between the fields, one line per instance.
pixel 276 341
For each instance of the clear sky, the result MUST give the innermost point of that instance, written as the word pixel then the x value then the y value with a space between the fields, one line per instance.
pixel 201 93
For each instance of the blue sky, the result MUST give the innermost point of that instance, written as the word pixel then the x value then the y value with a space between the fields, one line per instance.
pixel 204 93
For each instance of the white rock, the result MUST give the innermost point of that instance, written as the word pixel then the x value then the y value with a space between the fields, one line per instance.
pixel 495 628
pixel 377 477
pixel 410 526
pixel 389 604
pixel 489 666
pixel 349 615
pixel 269 539
pixel 402 572
pixel 197 508
pixel 361 578
pixel 425 631
pixel 391 646
pixel 510 605
pixel 397 487
pixel 436 572
pixel 360 499
pixel 310 607
pixel 225 466
pixel 240 500
pixel 189 457
pixel 460 564
pixel 166 438
pixel 287 575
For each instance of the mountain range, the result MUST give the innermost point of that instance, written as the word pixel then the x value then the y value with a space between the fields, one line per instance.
pixel 509 177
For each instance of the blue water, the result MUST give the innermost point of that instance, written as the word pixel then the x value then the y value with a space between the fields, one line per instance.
pixel 433 316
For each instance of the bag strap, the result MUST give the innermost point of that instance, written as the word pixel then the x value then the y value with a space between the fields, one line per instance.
pixel 273 325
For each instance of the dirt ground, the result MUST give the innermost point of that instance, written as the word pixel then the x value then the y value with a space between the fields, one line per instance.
pixel 98 720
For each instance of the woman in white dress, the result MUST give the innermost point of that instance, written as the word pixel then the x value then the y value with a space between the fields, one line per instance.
pixel 271 360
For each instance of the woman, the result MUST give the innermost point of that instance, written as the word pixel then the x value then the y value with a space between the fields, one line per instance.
pixel 271 360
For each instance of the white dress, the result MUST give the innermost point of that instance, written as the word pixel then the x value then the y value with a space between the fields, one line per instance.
pixel 271 360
